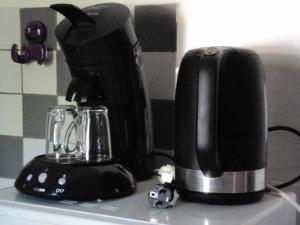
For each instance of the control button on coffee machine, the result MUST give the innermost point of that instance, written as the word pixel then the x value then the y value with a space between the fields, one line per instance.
pixel 42 177
pixel 29 177
pixel 62 181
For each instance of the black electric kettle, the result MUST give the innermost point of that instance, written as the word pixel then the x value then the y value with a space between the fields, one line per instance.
pixel 221 126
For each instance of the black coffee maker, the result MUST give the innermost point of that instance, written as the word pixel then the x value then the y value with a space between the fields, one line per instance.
pixel 108 85
pixel 104 57
pixel 220 130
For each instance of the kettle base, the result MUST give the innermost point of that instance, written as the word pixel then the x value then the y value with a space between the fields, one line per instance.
pixel 221 199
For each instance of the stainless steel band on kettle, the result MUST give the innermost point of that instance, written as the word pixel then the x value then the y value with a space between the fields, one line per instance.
pixel 228 182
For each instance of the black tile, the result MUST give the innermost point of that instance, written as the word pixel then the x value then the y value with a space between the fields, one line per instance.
pixel 47 16
pixel 63 74
pixel 163 114
pixel 35 109
pixel 156 27
pixel 11 156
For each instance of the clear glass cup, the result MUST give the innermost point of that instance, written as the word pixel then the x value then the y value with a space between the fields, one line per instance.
pixel 93 134
pixel 59 120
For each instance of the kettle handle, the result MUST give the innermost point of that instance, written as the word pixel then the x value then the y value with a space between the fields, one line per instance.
pixel 207 115
pixel 74 14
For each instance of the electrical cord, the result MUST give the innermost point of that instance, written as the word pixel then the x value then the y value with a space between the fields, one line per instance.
pixel 294 131
pixel 164 155
pixel 155 172
pixel 285 196
pixel 161 195
pixel 288 183
pixel 284 128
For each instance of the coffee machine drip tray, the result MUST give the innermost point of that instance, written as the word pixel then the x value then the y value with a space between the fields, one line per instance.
pixel 77 181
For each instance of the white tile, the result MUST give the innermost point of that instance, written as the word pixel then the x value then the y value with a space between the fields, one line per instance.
pixel 59 18
pixel 10 74
pixel 62 101
pixel 11 115
pixel 32 147
pixel 40 79
pixel 131 8
pixel 10 25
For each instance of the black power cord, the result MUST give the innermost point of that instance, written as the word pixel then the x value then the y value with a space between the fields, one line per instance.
pixel 284 128
pixel 294 131
pixel 163 155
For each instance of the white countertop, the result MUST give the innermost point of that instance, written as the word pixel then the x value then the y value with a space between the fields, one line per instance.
pixel 16 208
pixel 6 182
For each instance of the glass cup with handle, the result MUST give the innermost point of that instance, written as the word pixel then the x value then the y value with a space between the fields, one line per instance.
pixel 59 120
pixel 92 134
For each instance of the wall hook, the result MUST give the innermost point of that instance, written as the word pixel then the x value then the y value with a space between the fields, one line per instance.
pixel 35 33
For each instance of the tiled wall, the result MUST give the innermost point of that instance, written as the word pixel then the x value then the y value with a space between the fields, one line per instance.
pixel 27 90
pixel 156 29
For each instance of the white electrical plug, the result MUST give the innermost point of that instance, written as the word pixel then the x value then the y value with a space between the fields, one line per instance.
pixel 166 174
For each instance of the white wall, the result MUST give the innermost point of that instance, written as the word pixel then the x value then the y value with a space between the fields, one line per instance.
pixel 255 23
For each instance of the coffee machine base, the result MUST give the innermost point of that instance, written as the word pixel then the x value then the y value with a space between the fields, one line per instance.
pixel 222 198
pixel 77 181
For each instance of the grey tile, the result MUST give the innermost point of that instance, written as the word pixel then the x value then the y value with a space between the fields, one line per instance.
pixel 34 114
pixel 160 74
pixel 11 156
pixel 163 113
pixel 156 27
pixel 63 73
pixel 282 70
pixel 282 84
pixel 283 156
pixel 47 16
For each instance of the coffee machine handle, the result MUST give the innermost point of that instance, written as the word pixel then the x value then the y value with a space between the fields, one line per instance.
pixel 207 147
pixel 74 14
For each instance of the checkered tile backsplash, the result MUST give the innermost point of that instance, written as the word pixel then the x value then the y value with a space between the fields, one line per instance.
pixel 27 90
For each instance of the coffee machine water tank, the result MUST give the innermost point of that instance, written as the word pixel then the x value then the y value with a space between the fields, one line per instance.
pixel 103 55
pixel 220 130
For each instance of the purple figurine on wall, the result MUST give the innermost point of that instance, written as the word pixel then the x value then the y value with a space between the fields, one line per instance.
pixel 35 33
